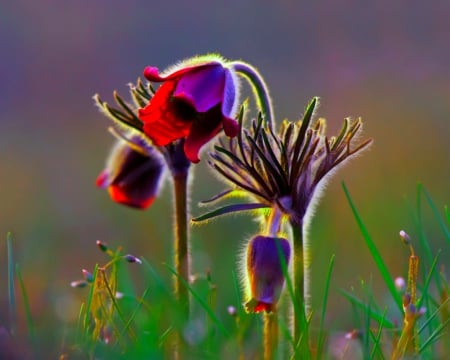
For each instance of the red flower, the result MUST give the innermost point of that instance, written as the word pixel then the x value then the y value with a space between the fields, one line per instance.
pixel 132 175
pixel 195 102
pixel 265 271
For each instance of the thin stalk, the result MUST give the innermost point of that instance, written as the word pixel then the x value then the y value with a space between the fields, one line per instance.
pixel 179 167
pixel 259 87
pixel 302 306
pixel 270 320
pixel 270 335
pixel 181 248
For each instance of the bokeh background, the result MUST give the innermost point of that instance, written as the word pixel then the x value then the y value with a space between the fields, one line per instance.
pixel 388 62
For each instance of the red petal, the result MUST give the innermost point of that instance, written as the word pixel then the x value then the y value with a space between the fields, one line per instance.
pixel 119 195
pixel 162 123
pixel 262 306
pixel 230 127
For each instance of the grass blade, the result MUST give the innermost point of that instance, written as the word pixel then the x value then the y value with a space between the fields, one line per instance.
pixel 321 339
pixel 374 315
pixel 26 305
pixel 11 285
pixel 377 341
pixel 202 303
pixel 388 280
pixel 436 214
pixel 229 209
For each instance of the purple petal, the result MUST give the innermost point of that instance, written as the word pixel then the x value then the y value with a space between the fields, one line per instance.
pixel 202 87
pixel 265 267
pixel 230 94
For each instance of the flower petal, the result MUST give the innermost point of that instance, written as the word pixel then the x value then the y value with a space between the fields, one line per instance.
pixel 230 126
pixel 163 120
pixel 131 177
pixel 151 73
pixel 203 129
pixel 230 94
pixel 255 306
pixel 264 268
pixel 202 88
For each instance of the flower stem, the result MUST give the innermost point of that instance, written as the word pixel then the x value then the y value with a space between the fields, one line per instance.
pixel 181 248
pixel 260 89
pixel 302 299
pixel 179 167
pixel 270 335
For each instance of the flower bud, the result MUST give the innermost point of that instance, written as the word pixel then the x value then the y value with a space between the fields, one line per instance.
pixel 87 275
pixel 79 284
pixel 400 284
pixel 266 258
pixel 102 246
pixel 132 259
pixel 132 177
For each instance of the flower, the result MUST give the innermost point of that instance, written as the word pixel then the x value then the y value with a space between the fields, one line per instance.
pixel 196 100
pixel 265 271
pixel 284 170
pixel 133 173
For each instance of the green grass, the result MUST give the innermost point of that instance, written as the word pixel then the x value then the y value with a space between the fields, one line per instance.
pixel 143 325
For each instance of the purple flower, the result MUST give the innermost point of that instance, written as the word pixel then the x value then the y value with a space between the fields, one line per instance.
pixel 265 271
pixel 133 173
pixel 196 100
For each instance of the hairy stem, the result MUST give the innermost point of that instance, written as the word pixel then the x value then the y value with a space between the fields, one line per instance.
pixel 181 248
pixel 260 89
pixel 270 335
pixel 301 275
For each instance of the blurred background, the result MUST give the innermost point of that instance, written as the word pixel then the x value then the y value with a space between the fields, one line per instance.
pixel 388 62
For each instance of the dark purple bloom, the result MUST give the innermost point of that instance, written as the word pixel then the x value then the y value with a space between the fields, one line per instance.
pixel 265 275
pixel 133 173
pixel 196 100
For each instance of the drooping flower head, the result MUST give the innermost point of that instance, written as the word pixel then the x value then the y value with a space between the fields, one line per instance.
pixel 265 257
pixel 133 173
pixel 196 100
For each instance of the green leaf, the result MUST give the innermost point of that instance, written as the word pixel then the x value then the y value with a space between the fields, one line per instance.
pixel 388 280
pixel 321 339
pixel 26 305
pixel 229 209
pixel 202 303
pixel 436 214
pixel 374 315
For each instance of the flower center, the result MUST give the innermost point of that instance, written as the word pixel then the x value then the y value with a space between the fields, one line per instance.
pixel 183 110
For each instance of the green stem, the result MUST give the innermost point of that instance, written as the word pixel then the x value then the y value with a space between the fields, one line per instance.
pixel 181 248
pixel 301 290
pixel 270 335
pixel 259 87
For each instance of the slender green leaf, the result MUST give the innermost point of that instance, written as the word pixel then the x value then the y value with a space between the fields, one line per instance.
pixel 202 303
pixel 436 214
pixel 26 304
pixel 321 339
pixel 374 315
pixel 438 333
pixel 89 300
pixel 424 290
pixel 376 346
pixel 388 280
pixel 229 209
